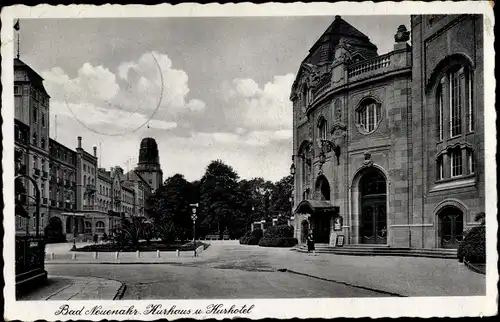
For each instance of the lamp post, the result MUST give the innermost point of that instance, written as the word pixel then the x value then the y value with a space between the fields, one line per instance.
pixel 193 218
pixel 74 226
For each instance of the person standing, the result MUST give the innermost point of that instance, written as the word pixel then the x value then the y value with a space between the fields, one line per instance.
pixel 310 242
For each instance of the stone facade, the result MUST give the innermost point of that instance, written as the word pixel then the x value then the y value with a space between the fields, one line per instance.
pixel 365 129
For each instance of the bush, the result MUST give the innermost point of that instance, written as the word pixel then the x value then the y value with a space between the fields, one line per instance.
pixel 280 231
pixel 473 246
pixel 278 242
pixel 252 237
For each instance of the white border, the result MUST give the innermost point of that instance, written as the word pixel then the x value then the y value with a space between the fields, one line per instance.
pixel 277 308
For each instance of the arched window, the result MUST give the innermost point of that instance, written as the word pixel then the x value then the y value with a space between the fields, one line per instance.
pixel 368 115
pixel 99 227
pixel 88 227
pixel 322 128
pixel 454 103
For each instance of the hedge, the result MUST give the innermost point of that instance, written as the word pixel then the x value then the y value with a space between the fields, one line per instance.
pixel 252 237
pixel 280 231
pixel 473 246
pixel 278 242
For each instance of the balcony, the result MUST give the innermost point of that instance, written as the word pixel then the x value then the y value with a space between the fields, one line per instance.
pixel 370 65
pixel 45 174
pixel 90 208
pixel 36 172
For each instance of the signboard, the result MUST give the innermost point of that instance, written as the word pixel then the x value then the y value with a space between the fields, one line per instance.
pixel 340 241
pixel 338 222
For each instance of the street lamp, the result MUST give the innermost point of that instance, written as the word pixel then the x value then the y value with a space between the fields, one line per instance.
pixel 292 167
pixel 193 218
pixel 74 226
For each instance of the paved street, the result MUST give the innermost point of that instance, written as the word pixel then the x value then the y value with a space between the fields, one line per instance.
pixel 229 270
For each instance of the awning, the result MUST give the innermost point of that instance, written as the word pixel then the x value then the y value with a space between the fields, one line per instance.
pixel 75 214
pixel 315 206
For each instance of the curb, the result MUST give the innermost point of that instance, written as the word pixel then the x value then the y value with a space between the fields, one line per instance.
pixel 121 291
pixel 118 263
pixel 474 268
pixel 286 270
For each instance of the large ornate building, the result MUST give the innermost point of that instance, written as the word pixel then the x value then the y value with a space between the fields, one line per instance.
pixel 389 149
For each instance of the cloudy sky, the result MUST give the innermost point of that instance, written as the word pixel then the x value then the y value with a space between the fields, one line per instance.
pixel 218 88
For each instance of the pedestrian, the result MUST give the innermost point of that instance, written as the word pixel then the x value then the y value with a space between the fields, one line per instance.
pixel 95 238
pixel 310 242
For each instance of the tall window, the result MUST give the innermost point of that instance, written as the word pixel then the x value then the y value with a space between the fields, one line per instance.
pixel 369 115
pixel 42 143
pixel 35 114
pixel 42 190
pixel 440 110
pixel 440 169
pixel 470 105
pixel 456 102
pixel 35 139
pixel 471 162
pixel 322 129
pixel 43 119
pixel 456 162
pixel 43 165
pixel 35 162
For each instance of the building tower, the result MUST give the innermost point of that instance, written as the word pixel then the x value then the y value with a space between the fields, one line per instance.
pixel 148 166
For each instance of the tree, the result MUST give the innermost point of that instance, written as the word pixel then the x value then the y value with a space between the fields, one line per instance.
pixel 255 194
pixel 219 197
pixel 169 208
pixel 280 198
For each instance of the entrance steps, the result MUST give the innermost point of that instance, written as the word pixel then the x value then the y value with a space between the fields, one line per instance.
pixel 381 250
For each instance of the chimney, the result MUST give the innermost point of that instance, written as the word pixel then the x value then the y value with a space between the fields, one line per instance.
pixel 95 151
pixel 79 142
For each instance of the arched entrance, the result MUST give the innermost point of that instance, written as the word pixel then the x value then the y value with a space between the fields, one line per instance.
pixel 304 231
pixel 451 227
pixel 320 213
pixel 54 229
pixel 373 206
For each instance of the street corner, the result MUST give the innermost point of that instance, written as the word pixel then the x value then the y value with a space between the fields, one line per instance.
pixel 65 288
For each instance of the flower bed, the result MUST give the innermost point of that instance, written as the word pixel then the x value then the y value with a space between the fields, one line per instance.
pixel 143 247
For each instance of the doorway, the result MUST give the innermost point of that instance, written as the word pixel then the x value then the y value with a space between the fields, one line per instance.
pixel 451 227
pixel 373 219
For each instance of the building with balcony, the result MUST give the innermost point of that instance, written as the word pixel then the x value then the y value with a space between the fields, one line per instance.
pixel 31 113
pixel 62 183
pixel 388 149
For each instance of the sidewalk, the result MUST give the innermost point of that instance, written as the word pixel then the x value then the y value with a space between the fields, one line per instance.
pixel 64 288
pixel 405 276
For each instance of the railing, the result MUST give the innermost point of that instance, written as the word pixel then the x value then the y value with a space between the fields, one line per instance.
pixel 323 85
pixel 369 65
pixel 90 207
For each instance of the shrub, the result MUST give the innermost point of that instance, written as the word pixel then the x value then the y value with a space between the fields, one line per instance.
pixel 473 246
pixel 252 237
pixel 278 242
pixel 280 231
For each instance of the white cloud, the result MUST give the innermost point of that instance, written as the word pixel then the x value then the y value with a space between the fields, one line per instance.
pixel 196 105
pixel 266 108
